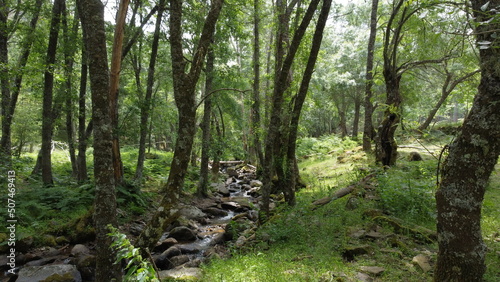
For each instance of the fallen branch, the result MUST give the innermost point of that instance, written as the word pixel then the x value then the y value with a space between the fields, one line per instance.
pixel 342 192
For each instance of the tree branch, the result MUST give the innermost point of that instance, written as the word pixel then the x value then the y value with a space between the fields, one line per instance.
pixel 218 90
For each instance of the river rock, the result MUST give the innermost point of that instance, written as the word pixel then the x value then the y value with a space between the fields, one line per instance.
pixel 256 183
pixel 215 211
pixel 162 261
pixel 188 273
pixel 59 272
pixel 231 171
pixel 86 267
pixel 165 244
pixel 192 212
pixel 179 260
pixel 79 250
pixel 182 233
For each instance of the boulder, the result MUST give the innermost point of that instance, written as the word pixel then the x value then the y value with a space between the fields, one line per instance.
pixel 79 250
pixel 86 267
pixel 215 211
pixel 162 261
pixel 423 262
pixel 59 272
pixel 192 213
pixel 165 244
pixel 179 260
pixel 182 233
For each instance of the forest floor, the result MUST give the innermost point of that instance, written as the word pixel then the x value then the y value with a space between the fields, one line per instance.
pixel 348 239
pixel 383 231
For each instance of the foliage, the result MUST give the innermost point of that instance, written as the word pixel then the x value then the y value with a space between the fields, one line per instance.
pixel 308 146
pixel 407 192
pixel 138 269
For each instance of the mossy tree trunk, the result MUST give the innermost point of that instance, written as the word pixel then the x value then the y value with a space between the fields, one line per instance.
pixel 466 170
pixel 92 17
pixel 185 99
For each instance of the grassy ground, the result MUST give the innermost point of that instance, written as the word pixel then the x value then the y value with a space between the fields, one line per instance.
pixel 301 244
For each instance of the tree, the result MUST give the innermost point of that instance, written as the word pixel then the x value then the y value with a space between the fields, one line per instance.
pixel 185 80
pixel 146 105
pixel 368 131
pixel 47 113
pixel 471 159
pixel 92 18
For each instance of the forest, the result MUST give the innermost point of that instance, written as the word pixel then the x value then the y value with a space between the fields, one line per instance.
pixel 250 140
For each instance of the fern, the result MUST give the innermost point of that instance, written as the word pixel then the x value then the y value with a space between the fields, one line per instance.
pixel 137 268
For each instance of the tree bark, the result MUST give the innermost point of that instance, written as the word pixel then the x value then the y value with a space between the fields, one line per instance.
pixel 5 145
pixel 255 111
pixel 368 131
pixel 273 155
pixel 116 60
pixel 47 114
pixel 81 159
pixel 466 170
pixel 292 173
pixel 146 105
pixel 185 99
pixel 92 17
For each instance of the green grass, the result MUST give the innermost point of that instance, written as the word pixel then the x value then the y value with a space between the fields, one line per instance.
pixel 301 244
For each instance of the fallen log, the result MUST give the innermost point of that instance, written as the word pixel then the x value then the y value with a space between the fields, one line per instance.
pixel 342 192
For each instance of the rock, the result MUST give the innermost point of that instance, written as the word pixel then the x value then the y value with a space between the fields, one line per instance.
pixel 375 270
pixel 231 171
pixel 61 240
pixel 49 240
pixel 414 157
pixel 86 266
pixel 231 206
pixel 136 228
pixel 188 273
pixel 179 260
pixel 221 188
pixel 243 202
pixel 193 248
pixel 215 211
pixel 59 272
pixel 256 183
pixel 182 233
pixel 24 245
pixel 192 213
pixel 241 241
pixel 162 261
pixel 363 277
pixel 423 262
pixel 165 244
pixel 79 250
pixel 351 252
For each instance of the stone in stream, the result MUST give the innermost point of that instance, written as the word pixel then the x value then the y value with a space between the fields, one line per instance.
pixel 79 250
pixel 179 260
pixel 221 188
pixel 192 212
pixel 256 183
pixel 165 244
pixel 57 272
pixel 182 233
pixel 215 211
pixel 162 261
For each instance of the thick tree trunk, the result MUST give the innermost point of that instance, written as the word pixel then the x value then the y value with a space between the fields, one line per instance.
pixel 47 114
pixel 368 126
pixel 472 157
pixel 146 105
pixel 185 98
pixel 92 17
pixel 205 126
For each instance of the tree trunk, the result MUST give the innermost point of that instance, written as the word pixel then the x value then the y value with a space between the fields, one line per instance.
pixel 368 126
pixel 185 98
pixel 5 145
pixel 273 152
pixel 47 114
pixel 92 17
pixel 82 133
pixel 255 111
pixel 116 60
pixel 472 157
pixel 69 52
pixel 205 126
pixel 292 173
pixel 355 122
pixel 146 105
